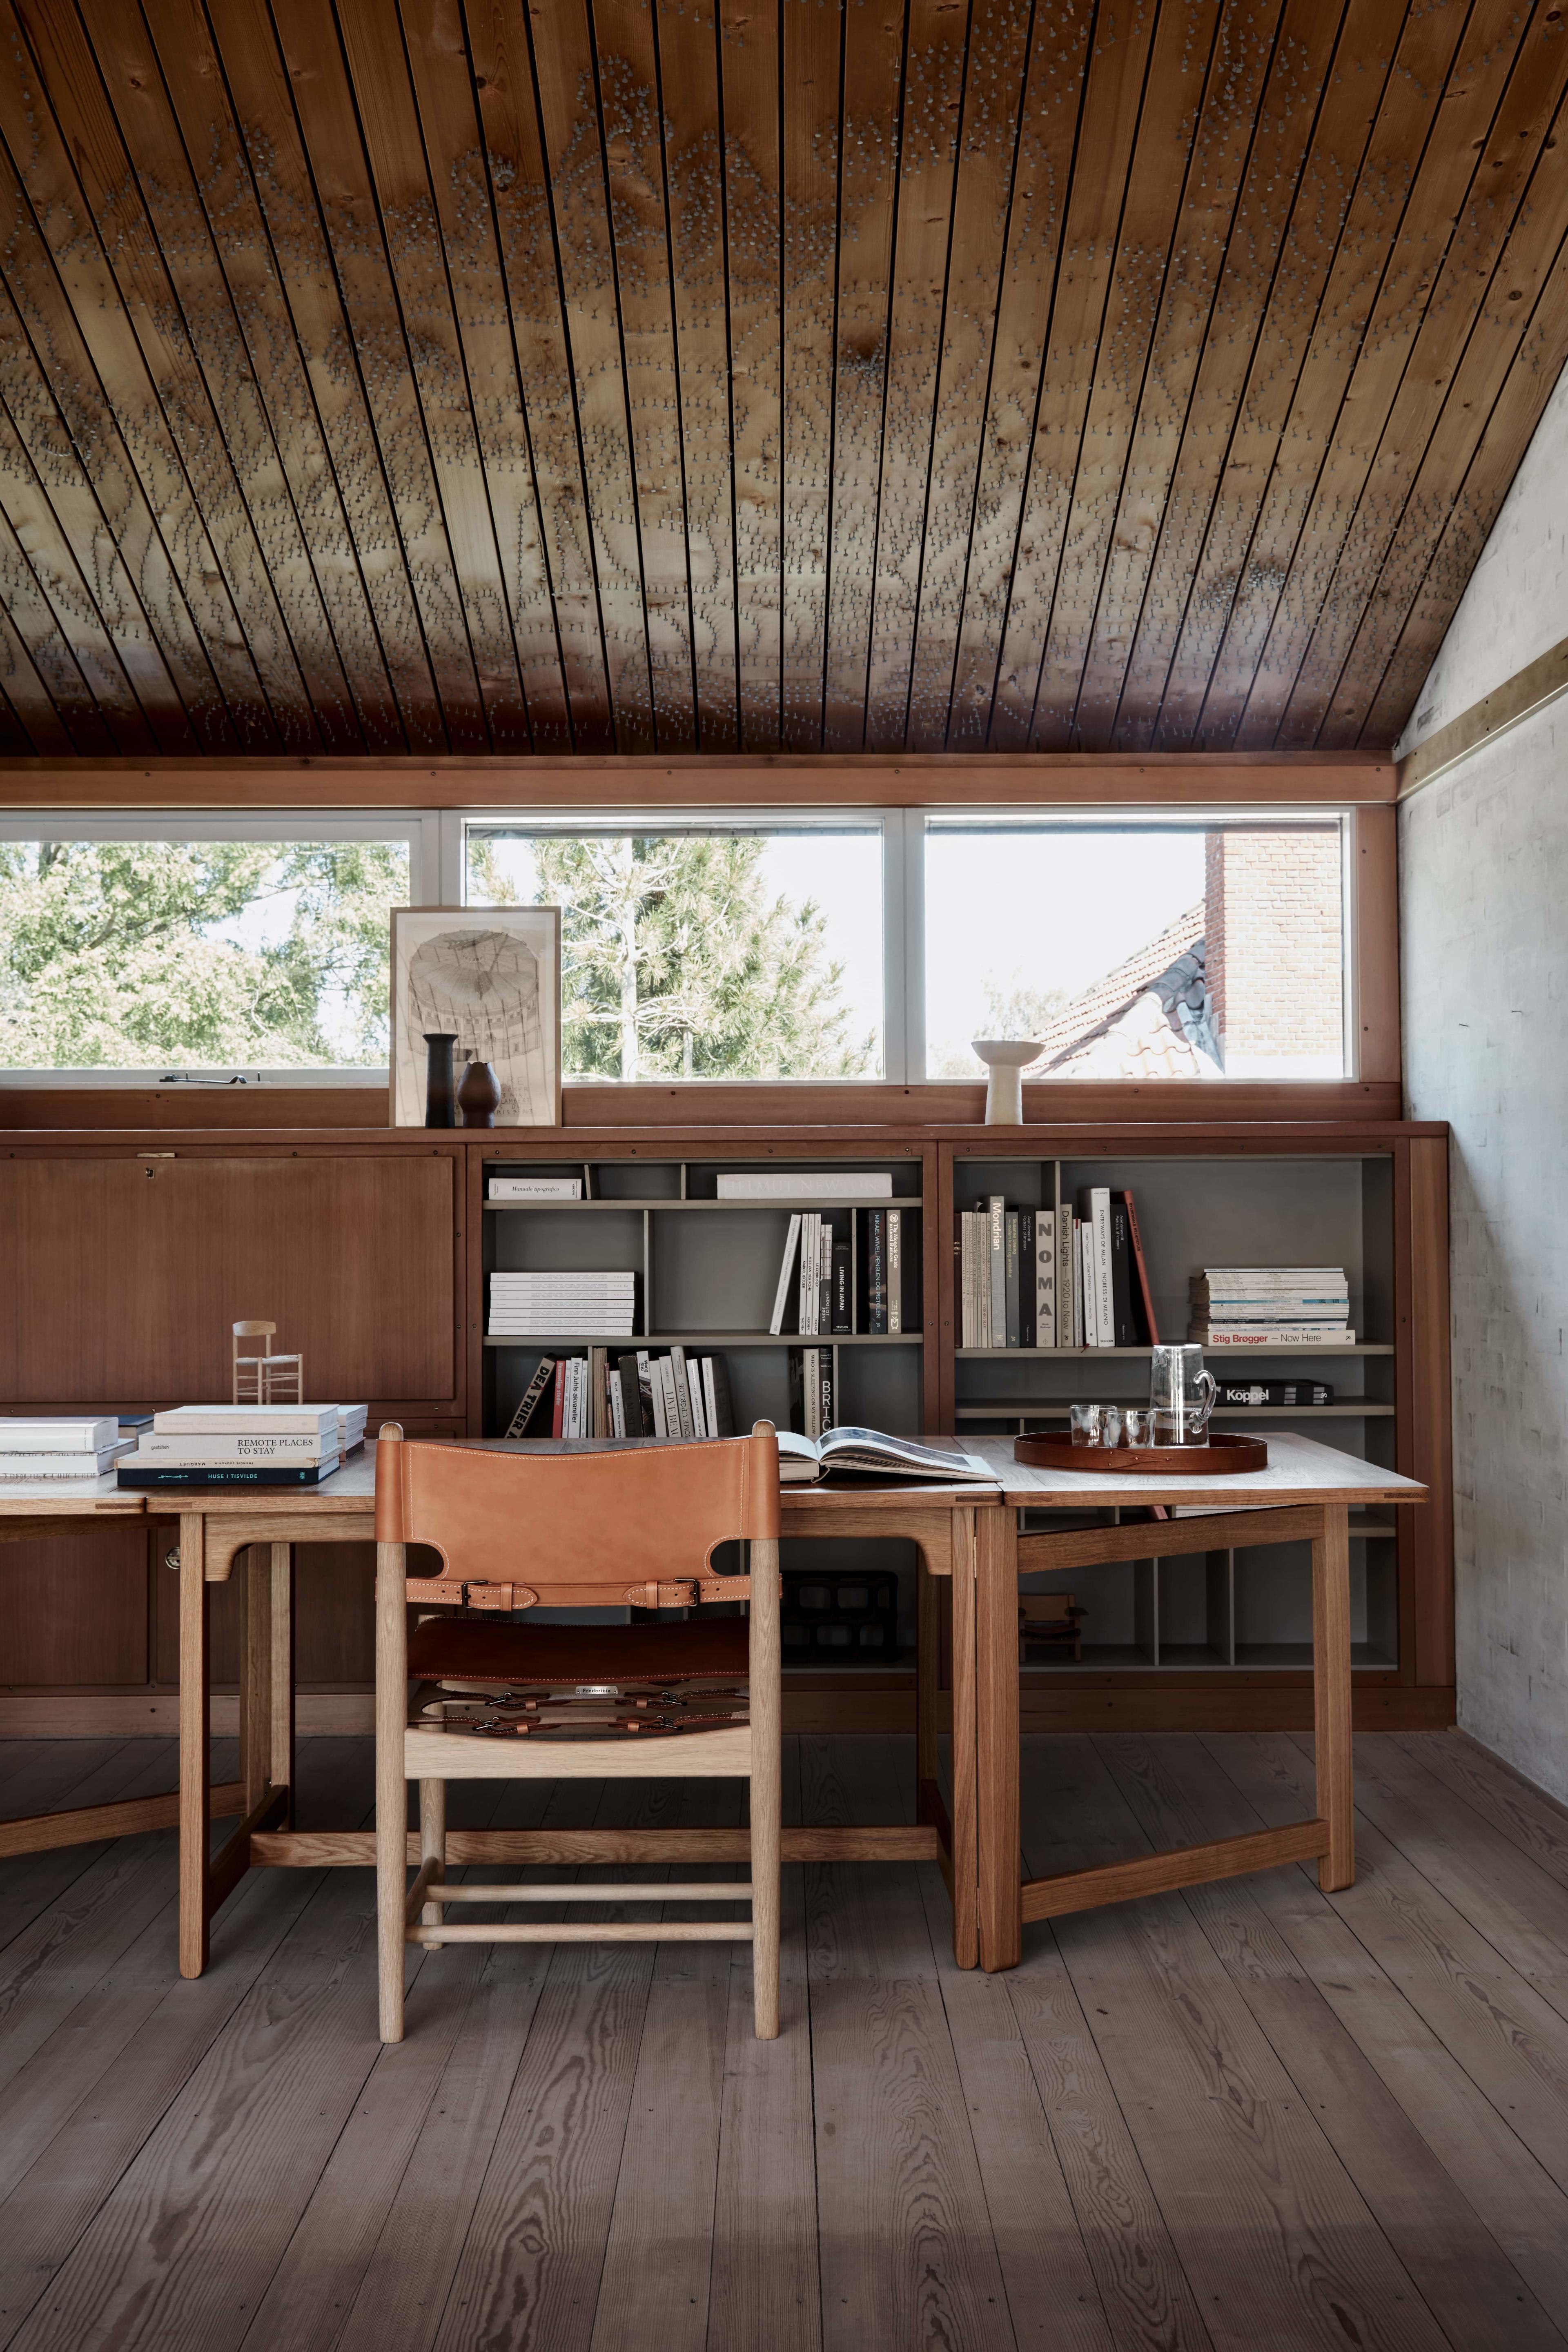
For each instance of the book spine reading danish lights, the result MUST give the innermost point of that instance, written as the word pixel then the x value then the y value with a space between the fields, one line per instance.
pixel 1030 1278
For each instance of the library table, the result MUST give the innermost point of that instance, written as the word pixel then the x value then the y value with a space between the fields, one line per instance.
pixel 1305 1494
pixel 942 1522
pixel 31 1508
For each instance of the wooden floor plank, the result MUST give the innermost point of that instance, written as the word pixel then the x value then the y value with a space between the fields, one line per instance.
pixel 1510 2042
pixel 1276 2242
pixel 409 2274
pixel 1178 1793
pixel 1523 2208
pixel 658 2258
pixel 1525 1815
pixel 864 1921
pixel 906 2249
pixel 1505 1895
pixel 765 2286
pixel 529 2276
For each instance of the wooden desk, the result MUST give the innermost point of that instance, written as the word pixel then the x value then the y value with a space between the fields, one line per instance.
pixel 1306 1494
pixel 214 1528
pixel 69 1506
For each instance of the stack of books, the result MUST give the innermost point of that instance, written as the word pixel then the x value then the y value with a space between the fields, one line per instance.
pixel 1271 1306
pixel 794 1183
pixel 79 1446
pixel 1055 1277
pixel 579 1304
pixel 635 1395
pixel 822 1301
pixel 217 1446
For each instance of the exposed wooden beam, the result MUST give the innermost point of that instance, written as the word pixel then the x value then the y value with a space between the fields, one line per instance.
pixel 868 779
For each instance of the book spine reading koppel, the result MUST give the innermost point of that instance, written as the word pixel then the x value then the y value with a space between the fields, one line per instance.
pixel 1026 1292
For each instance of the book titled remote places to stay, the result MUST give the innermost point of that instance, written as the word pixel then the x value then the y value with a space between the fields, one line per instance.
pixel 215 1446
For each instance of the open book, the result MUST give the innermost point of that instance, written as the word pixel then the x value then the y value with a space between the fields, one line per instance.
pixel 872 1454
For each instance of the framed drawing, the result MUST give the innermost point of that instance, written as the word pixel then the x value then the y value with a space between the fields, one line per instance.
pixel 491 977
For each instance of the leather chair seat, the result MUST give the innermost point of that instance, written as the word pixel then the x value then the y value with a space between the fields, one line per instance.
pixel 470 1649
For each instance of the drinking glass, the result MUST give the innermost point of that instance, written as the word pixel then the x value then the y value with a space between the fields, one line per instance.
pixel 1084 1423
pixel 1181 1396
pixel 1111 1425
pixel 1134 1424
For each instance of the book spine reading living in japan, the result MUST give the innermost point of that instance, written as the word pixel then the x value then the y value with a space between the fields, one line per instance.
pixel 843 1291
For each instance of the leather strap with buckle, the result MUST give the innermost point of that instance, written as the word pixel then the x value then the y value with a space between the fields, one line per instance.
pixel 688 1592
pixel 446 1591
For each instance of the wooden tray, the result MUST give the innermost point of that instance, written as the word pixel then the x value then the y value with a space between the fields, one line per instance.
pixel 1222 1457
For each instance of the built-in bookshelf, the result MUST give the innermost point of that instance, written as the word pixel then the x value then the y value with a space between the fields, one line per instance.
pixel 1218 1611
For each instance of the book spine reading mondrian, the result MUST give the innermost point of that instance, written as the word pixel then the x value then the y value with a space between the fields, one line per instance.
pixel 997 1236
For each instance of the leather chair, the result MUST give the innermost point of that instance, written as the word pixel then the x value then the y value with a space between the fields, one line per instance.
pixel 637 1525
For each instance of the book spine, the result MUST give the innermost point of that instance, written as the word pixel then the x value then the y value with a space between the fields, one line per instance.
pixel 825 1402
pixel 895 1270
pixel 557 1402
pixel 1281 1337
pixel 724 1403
pixel 694 1389
pixel 1010 1270
pixel 811 1395
pixel 528 1404
pixel 1149 1330
pixel 996 1238
pixel 631 1396
pixel 1027 1304
pixel 876 1272
pixel 617 1407
pixel 1046 1279
pixel 1065 1337
pixel 960 1271
pixel 711 1400
pixel 1121 1274
pixel 843 1294
pixel 682 1393
pixel 781 1295
pixel 1088 1329
pixel 1104 1293
pixel 655 1395
pixel 824 1275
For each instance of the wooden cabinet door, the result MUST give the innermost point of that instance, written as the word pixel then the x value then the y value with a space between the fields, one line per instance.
pixel 121 1276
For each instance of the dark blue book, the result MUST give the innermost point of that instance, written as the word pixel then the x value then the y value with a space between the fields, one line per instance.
pixel 148 1479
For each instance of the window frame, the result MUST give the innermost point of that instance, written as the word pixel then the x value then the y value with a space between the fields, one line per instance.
pixel 419 827
pixel 436 840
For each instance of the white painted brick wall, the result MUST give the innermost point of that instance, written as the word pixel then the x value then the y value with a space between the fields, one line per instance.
pixel 1484 893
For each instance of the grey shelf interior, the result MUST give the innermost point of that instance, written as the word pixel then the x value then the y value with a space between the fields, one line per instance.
pixel 1250 1609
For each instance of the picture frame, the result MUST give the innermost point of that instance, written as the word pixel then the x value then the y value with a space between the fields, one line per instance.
pixel 492 977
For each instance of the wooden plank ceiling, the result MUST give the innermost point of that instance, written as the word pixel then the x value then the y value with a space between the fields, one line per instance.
pixel 647 375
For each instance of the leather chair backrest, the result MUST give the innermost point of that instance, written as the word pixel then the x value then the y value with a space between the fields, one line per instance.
pixel 641 1514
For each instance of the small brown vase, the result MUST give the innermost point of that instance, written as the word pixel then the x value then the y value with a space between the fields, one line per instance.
pixel 479 1097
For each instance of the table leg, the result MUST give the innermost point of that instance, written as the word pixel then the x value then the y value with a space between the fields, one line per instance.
pixel 1331 1696
pixel 927 1672
pixel 196 1760
pixel 256 1677
pixel 997 1752
pixel 965 1936
pixel 281 1770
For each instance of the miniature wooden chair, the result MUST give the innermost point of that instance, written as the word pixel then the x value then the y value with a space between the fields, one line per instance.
pixel 635 1527
pixel 265 1378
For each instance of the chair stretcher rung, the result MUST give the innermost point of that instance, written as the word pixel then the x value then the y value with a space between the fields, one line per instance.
pixel 470 1892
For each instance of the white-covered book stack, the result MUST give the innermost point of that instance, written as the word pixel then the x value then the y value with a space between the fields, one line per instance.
pixel 217 1446
pixel 80 1445
pixel 1271 1306
pixel 578 1304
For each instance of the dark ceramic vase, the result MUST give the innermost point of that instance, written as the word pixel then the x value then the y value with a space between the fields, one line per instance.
pixel 441 1101
pixel 479 1097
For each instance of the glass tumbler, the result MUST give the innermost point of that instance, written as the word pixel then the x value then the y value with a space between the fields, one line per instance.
pixel 1181 1396
pixel 1084 1423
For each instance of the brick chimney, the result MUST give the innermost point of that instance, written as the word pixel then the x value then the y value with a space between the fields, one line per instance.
pixel 1275 961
